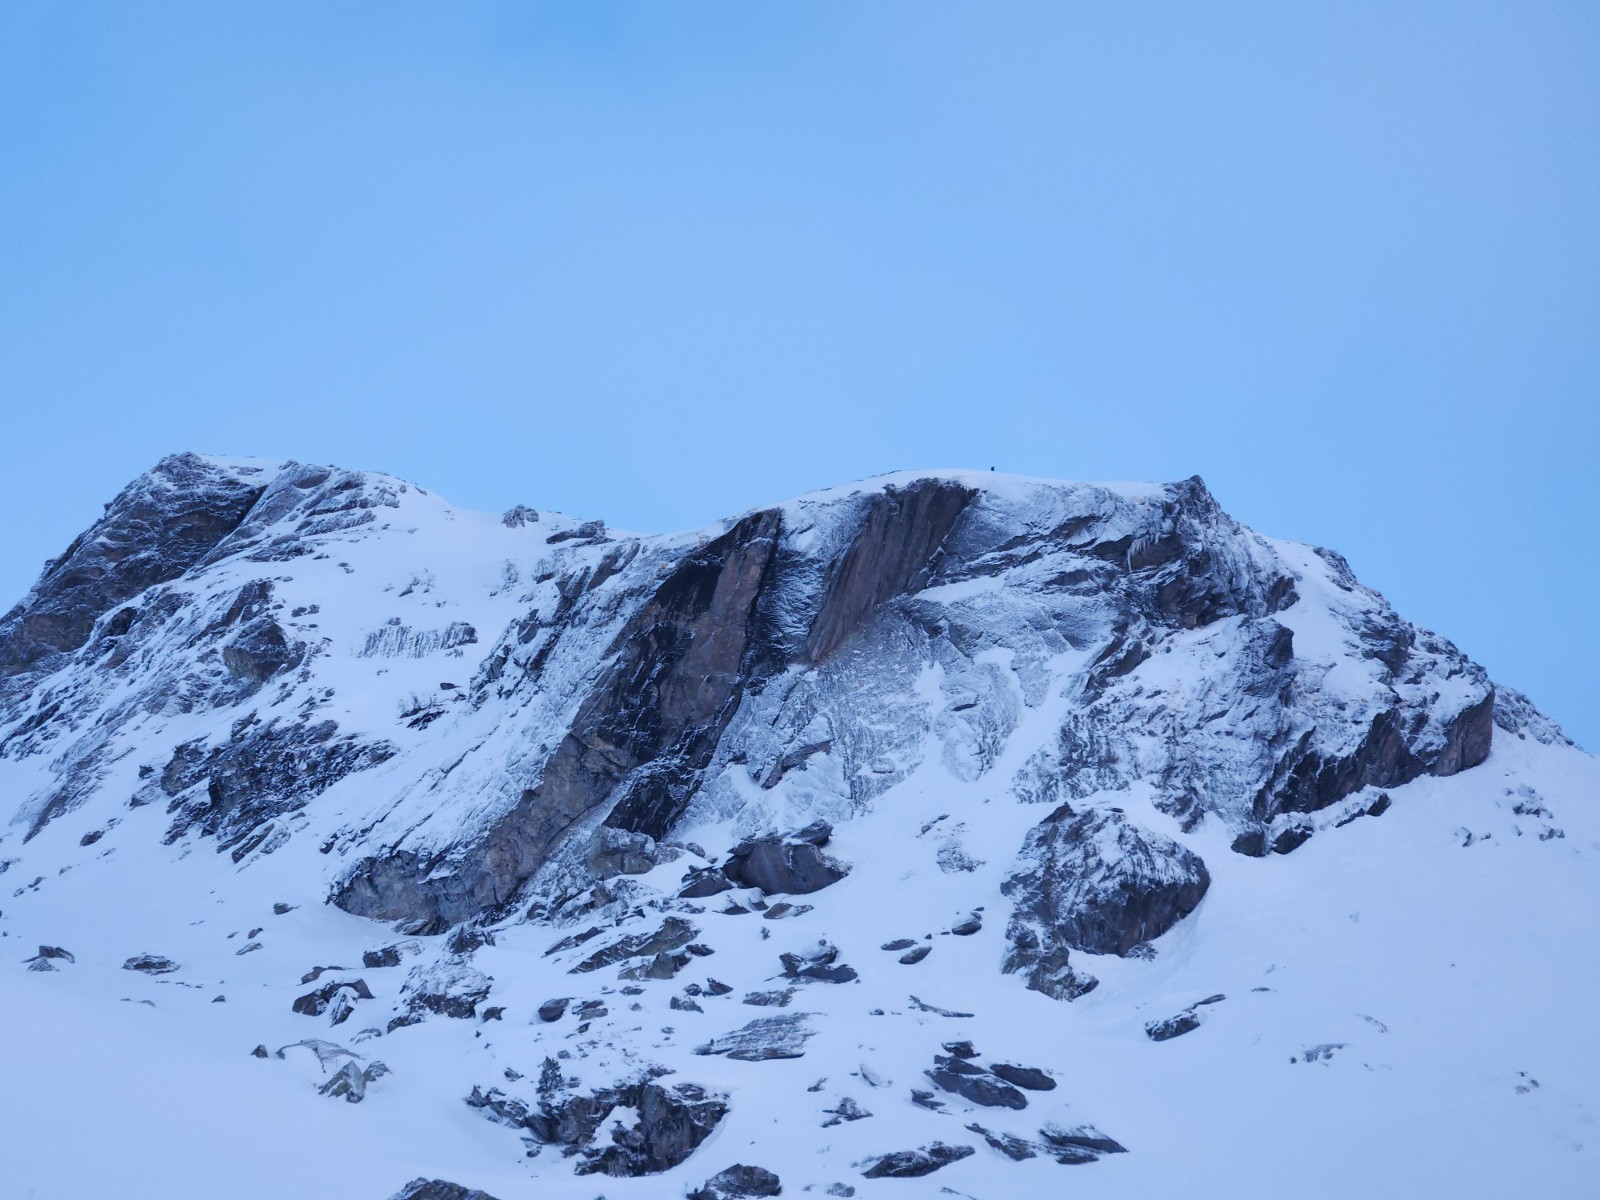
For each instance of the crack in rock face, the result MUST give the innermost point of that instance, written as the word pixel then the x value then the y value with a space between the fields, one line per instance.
pixel 678 672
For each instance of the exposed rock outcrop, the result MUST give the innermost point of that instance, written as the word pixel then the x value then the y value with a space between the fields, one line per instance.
pixel 667 1123
pixel 160 526
pixel 781 1036
pixel 1095 882
pixel 264 770
pixel 150 964
pixel 909 1164
pixel 654 720
pixel 438 1189
pixel 739 1182
pixel 792 865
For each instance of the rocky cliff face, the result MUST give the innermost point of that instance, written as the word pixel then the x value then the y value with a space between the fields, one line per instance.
pixel 478 725
pixel 1250 682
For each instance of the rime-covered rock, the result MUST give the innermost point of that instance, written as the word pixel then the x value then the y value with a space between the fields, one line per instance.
pixel 1096 882
pixel 450 987
pixel 739 1182
pixel 150 964
pixel 781 1036
pixel 438 1189
pixel 909 1164
pixel 664 1123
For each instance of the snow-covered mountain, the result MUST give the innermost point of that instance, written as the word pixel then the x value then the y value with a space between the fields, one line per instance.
pixel 1087 839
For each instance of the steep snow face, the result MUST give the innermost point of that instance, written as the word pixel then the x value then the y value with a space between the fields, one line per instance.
pixel 925 760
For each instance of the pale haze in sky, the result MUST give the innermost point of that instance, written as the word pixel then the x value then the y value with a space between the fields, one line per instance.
pixel 661 262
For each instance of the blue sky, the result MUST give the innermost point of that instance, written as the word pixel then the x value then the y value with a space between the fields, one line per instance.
pixel 660 262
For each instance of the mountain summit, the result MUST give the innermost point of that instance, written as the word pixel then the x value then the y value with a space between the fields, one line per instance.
pixel 1077 825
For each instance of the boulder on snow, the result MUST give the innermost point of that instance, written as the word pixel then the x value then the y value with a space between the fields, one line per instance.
pixel 350 1081
pixel 373 960
pixel 451 988
pixel 908 1164
pixel 668 1123
pixel 438 1189
pixel 1184 1022
pixel 150 964
pixel 965 1078
pixel 700 882
pixel 738 1182
pixel 818 963
pixel 339 997
pixel 47 958
pixel 1031 1078
pixel 781 1036
pixel 1095 882
pixel 674 933
pixel 786 865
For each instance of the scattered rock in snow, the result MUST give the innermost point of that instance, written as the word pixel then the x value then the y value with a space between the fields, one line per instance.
pixel 774 999
pixel 662 966
pixel 1072 1144
pixel 784 909
pixel 738 1182
pixel 337 997
pixel 780 1036
pixel 923 1006
pixel 150 964
pixel 668 1123
pixel 438 1189
pixel 964 1078
pixel 1009 1144
pixel 789 865
pixel 1184 1022
pixel 1322 1052
pixel 908 1164
pixel 673 933
pixel 700 882
pixel 449 987
pixel 915 955
pixel 818 963
pixel 1031 1078
pixel 325 1051
pixel 350 1081
pixel 1378 806
pixel 47 958
pixel 846 1110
